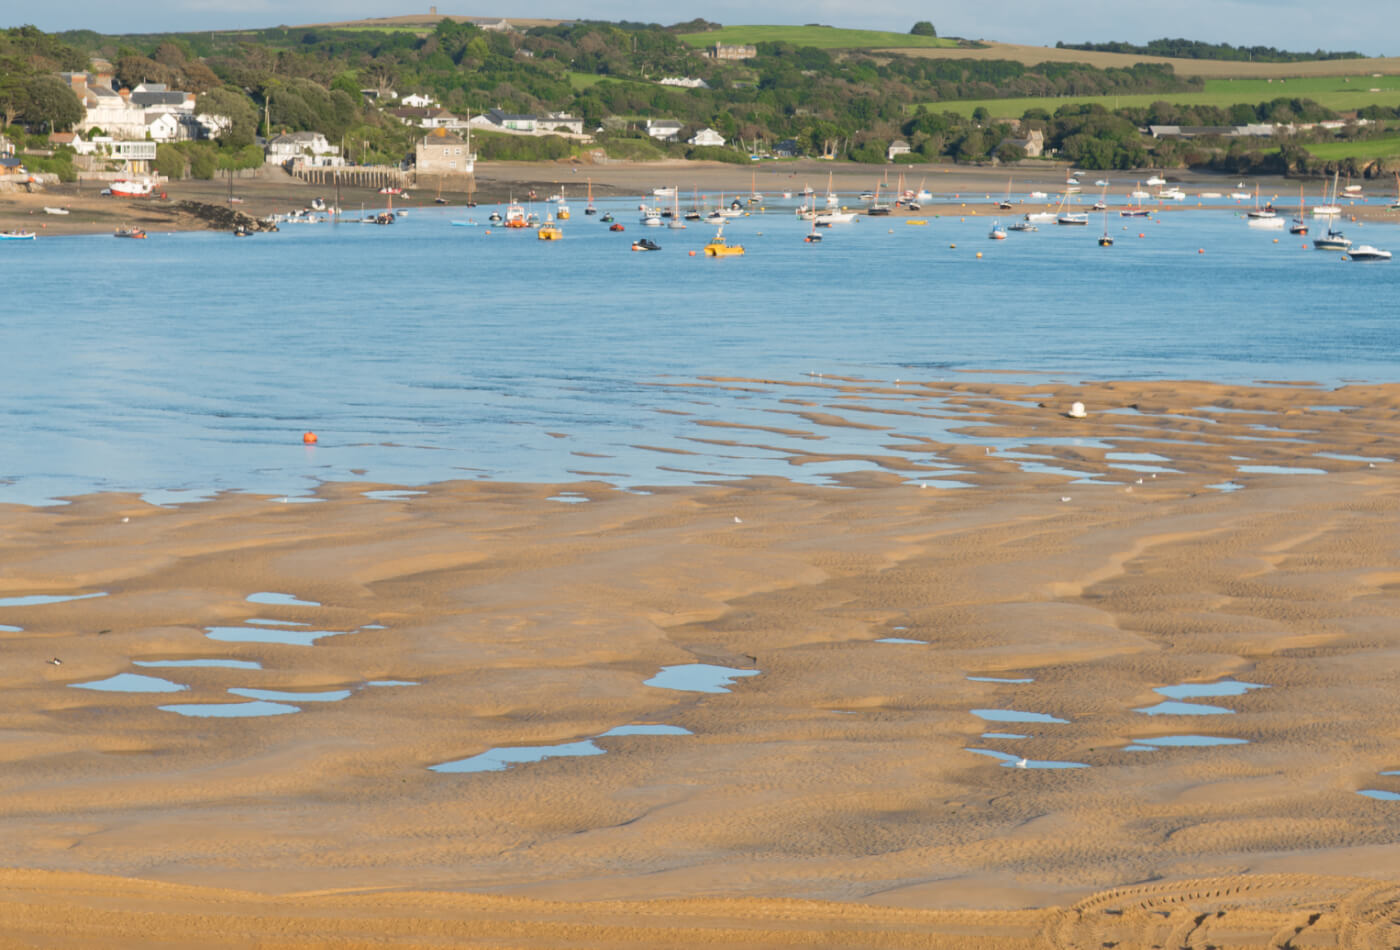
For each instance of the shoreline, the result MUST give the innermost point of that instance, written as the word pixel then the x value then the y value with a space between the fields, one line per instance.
pixel 832 790
pixel 975 189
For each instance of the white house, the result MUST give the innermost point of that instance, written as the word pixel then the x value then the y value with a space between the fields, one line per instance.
pixel 706 136
pixel 418 101
pixel 897 147
pixel 666 130
pixel 311 148
pixel 684 82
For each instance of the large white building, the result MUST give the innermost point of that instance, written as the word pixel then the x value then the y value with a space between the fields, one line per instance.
pixel 310 148
pixel 149 111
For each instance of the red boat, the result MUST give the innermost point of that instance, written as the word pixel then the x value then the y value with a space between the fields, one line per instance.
pixel 617 227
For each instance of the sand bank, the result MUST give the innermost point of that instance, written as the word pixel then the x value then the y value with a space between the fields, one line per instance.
pixel 830 799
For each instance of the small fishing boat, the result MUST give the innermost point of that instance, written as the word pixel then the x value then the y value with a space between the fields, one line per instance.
pixel 645 244
pixel 549 231
pixel 1072 217
pixel 616 227
pixel 719 248
pixel 1023 226
pixel 51 210
pixel 129 233
pixel 607 218
pixel 20 235
pixel 494 217
pixel 997 233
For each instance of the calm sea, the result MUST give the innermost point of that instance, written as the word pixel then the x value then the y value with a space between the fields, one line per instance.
pixel 189 364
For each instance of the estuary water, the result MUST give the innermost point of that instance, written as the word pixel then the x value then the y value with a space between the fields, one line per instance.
pixel 190 364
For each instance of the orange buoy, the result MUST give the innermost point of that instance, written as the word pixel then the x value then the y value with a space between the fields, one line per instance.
pixel 979 253
pixel 692 253
pixel 309 438
pixel 1200 250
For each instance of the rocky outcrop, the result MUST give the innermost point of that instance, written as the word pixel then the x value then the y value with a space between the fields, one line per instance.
pixel 220 218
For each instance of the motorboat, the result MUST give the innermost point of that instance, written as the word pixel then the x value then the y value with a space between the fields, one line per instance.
pixel 129 233
pixel 1040 217
pixel 664 192
pixel 1071 217
pixel 1366 252
pixel 51 210
pixel 549 231
pixel 1156 181
pixel 1332 241
pixel 607 218
pixel 825 219
pixel 1023 226
pixel 494 217
pixel 645 244
pixel 616 227
pixel 651 217
pixel 18 235
pixel 719 248
pixel 132 188
pixel 1271 223
pixel 997 233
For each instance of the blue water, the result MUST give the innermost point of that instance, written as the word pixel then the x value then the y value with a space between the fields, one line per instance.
pixel 190 364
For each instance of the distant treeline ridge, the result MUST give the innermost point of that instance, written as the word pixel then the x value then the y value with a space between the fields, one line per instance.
pixel 1195 49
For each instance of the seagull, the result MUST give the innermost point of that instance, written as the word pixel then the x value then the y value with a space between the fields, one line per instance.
pixel 1076 411
pixel 738 520
pixel 56 661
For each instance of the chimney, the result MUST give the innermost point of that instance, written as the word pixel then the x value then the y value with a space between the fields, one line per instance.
pixel 125 93
pixel 79 83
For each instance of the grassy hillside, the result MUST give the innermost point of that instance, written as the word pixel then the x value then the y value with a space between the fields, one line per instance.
pixel 1207 68
pixel 822 37
pixel 1339 93
pixel 1364 150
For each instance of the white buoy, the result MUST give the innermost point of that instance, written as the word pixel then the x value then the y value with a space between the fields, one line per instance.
pixel 738 520
pixel 1076 411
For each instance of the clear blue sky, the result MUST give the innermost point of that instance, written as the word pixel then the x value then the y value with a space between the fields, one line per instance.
pixel 1372 29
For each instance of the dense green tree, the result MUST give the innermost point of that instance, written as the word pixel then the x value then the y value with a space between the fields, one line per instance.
pixel 923 28
pixel 237 108
pixel 50 101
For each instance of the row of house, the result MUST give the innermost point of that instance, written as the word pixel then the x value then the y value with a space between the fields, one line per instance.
pixel 150 111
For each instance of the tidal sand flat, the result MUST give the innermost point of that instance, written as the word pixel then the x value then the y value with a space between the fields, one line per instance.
pixel 846 786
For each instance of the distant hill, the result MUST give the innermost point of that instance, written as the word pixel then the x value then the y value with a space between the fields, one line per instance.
pixel 425 21
pixel 1205 68
pixel 821 37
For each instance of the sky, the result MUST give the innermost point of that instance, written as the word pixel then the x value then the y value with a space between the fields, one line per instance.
pixel 1287 24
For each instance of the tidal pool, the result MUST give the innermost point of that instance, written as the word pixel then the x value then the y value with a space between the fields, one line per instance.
pixel 211 661
pixel 279 600
pixel 300 638
pixel 1380 794
pixel 1000 679
pixel 132 683
pixel 265 622
pixel 1218 688
pixel 1014 715
pixel 1171 707
pixel 279 696
pixel 498 760
pixel 900 640
pixel 1009 761
pixel 646 729
pixel 232 710
pixel 698 677
pixel 1186 741
pixel 38 600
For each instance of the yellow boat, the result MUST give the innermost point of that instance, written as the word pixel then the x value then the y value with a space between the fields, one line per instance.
pixel 919 221
pixel 549 231
pixel 718 248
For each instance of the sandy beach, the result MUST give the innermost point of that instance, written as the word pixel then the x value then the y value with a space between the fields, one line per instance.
pixel 832 797
pixel 971 189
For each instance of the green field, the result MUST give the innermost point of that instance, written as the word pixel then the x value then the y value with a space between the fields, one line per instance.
pixel 822 37
pixel 582 81
pixel 1335 92
pixel 1364 150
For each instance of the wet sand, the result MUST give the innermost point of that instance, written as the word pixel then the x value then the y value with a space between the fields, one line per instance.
pixel 971 189
pixel 829 800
